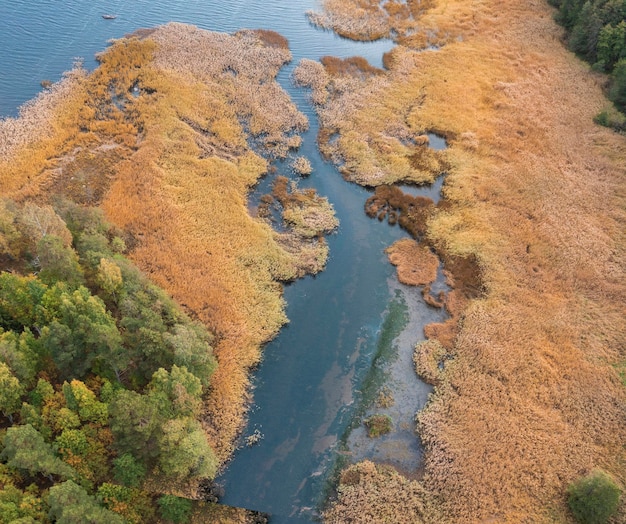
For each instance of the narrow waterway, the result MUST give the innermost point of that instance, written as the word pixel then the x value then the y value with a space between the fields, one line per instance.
pixel 308 388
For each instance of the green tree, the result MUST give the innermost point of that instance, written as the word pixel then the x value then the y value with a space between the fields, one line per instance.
pixel 71 504
pixel 178 392
pixel 584 37
pixel 20 506
pixel 185 452
pixel 11 392
pixel 136 425
pixel 109 278
pixel 93 247
pixel 128 470
pixel 618 89
pixel 20 299
pixel 25 448
pixel 80 332
pixel 175 509
pixel 43 391
pixel 72 442
pixel 612 45
pixel 19 352
pixel 29 414
pixel 83 401
pixel 58 262
pixel 36 222
pixel 190 345
pixel 594 499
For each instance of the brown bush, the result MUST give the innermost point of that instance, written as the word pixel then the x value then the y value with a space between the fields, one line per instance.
pixel 353 66
pixel 411 212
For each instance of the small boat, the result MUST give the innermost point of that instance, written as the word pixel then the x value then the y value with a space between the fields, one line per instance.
pixel 109 17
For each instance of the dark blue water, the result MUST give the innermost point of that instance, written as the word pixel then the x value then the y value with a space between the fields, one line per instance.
pixel 40 39
pixel 306 389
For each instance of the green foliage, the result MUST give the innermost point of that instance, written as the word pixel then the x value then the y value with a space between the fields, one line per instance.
pixel 42 392
pixel 612 45
pixel 19 352
pixel 72 441
pixel 19 506
pixel 128 470
pixel 64 418
pixel 11 391
pixel 81 333
pixel 175 509
pixel 19 301
pixel 617 94
pixel 58 262
pixel 135 422
pixel 594 499
pixel 71 504
pixel 135 506
pixel 90 315
pixel 185 452
pixel 178 392
pixel 25 448
pixel 598 34
pixel 109 277
pixel 29 414
pixel 82 400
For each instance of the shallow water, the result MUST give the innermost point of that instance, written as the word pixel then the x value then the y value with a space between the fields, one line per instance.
pixel 307 389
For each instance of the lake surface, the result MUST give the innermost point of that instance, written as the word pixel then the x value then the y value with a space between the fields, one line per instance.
pixel 308 388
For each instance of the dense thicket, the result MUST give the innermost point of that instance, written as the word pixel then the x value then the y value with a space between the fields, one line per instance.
pixel 597 33
pixel 101 374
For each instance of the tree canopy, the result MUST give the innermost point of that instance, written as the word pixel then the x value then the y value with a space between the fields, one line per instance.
pixel 102 375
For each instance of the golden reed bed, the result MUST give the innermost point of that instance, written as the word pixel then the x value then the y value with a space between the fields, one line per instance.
pixel 532 396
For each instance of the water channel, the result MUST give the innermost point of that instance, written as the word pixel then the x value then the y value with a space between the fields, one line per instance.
pixel 309 386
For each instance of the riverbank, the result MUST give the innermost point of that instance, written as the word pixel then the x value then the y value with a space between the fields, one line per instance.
pixel 530 397
pixel 158 137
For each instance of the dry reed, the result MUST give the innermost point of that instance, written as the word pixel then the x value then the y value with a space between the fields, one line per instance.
pixel 531 397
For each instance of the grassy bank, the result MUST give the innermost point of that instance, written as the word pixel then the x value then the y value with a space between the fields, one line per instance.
pixel 532 398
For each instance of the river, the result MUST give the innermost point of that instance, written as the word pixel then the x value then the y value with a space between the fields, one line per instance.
pixel 307 390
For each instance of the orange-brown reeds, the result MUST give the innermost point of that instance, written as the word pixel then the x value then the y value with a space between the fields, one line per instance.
pixel 415 263
pixel 531 397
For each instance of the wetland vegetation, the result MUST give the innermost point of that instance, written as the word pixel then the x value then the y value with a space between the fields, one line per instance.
pixel 136 289
pixel 528 395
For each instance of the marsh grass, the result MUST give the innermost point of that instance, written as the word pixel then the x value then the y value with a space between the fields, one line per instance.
pixel 364 496
pixel 368 20
pixel 416 264
pixel 531 232
pixel 378 425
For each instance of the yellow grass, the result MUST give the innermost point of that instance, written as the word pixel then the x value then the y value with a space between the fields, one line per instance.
pixel 532 398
